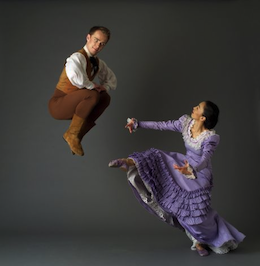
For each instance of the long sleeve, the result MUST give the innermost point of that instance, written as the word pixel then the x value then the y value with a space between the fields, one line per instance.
pixel 76 71
pixel 172 125
pixel 208 148
pixel 76 66
pixel 106 76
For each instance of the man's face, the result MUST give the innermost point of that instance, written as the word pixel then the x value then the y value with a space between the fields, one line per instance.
pixel 96 42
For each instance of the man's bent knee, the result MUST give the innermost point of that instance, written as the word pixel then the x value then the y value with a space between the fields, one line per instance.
pixel 105 98
pixel 94 96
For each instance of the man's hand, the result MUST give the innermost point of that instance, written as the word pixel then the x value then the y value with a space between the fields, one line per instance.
pixel 99 88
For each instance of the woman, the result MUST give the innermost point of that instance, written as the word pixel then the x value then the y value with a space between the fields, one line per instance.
pixel 177 187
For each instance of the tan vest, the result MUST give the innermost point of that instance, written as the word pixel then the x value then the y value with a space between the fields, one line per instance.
pixel 64 83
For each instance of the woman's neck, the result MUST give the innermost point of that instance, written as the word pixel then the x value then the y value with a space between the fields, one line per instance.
pixel 197 129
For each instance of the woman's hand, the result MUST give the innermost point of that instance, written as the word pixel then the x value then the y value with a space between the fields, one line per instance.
pixel 183 169
pixel 130 124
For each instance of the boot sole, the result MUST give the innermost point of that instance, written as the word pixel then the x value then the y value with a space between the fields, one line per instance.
pixel 73 153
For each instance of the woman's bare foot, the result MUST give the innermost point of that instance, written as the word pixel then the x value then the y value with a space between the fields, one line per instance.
pixel 121 163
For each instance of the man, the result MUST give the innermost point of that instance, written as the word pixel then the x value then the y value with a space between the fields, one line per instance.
pixel 76 96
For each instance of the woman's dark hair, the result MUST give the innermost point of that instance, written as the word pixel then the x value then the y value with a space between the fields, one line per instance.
pixel 211 113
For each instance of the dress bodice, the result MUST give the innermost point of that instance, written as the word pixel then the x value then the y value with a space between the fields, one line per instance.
pixel 194 144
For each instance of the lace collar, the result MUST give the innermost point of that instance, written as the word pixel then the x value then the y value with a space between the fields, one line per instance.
pixel 187 136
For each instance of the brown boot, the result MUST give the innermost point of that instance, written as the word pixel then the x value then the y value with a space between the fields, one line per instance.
pixel 85 129
pixel 71 136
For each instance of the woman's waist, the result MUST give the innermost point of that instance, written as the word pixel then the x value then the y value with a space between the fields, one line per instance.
pixel 193 156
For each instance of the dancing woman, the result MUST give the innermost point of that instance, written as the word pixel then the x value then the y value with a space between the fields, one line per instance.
pixel 177 187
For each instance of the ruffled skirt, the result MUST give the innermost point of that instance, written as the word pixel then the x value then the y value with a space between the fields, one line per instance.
pixel 180 202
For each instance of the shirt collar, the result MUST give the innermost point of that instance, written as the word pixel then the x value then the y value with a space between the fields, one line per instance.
pixel 87 51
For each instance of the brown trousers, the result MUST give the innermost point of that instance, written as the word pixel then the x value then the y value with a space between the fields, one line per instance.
pixel 87 104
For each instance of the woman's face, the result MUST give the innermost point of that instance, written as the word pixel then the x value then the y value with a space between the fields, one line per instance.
pixel 197 111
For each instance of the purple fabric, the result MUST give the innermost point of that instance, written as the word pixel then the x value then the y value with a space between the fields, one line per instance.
pixel 173 125
pixel 199 159
pixel 149 209
pixel 187 200
pixel 214 231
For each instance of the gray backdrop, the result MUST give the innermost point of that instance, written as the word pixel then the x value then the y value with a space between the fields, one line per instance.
pixel 168 56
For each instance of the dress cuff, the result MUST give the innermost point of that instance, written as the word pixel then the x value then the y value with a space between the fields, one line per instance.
pixel 135 125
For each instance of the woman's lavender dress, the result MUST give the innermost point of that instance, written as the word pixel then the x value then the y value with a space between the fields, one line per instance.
pixel 177 199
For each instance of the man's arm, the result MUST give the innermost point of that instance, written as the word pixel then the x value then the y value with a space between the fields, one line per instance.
pixel 76 71
pixel 106 76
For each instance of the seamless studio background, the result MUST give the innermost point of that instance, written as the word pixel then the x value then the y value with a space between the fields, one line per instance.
pixel 168 56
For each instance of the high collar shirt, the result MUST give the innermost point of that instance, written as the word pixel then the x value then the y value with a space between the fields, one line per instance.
pixel 76 66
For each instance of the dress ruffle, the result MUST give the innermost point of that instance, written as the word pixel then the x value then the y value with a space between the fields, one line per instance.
pixel 189 206
pixel 194 143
